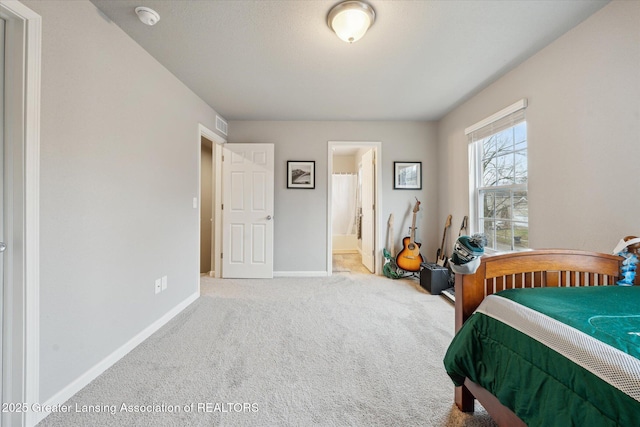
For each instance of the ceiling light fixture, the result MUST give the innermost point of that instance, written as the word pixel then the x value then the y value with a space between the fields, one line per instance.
pixel 147 16
pixel 351 19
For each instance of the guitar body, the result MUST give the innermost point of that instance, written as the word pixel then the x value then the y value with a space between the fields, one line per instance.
pixel 409 258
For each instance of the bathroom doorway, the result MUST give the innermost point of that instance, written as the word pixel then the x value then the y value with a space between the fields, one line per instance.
pixel 353 201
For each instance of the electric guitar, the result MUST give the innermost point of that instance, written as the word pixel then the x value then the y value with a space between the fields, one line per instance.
pixel 409 258
pixel 390 269
pixel 463 226
pixel 441 259
pixel 392 250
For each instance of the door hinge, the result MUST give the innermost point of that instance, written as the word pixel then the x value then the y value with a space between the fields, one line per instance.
pixel 221 255
pixel 222 208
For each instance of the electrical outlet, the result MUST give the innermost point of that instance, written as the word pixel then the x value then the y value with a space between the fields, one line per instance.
pixel 164 282
pixel 158 286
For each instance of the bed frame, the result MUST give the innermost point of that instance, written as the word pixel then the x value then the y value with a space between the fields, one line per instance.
pixel 528 269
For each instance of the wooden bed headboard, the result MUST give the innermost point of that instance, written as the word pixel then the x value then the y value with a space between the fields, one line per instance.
pixel 528 269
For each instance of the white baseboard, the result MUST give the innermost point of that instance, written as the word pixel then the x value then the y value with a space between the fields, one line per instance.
pixel 82 381
pixel 300 274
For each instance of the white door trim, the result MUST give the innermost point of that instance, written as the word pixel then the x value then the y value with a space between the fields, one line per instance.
pixel 377 146
pixel 22 95
pixel 217 198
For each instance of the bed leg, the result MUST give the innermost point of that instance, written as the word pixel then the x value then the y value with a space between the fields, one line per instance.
pixel 464 399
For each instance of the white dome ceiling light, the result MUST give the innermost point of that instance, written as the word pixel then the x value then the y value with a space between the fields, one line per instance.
pixel 147 16
pixel 350 20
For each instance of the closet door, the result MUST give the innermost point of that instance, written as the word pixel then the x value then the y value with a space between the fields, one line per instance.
pixel 247 215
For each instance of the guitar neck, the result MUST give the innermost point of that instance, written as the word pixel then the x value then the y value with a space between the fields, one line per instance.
pixel 412 235
pixel 440 256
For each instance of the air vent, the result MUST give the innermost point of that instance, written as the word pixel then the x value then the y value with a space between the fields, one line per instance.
pixel 221 125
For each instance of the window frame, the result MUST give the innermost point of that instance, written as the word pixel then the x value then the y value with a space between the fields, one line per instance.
pixel 476 187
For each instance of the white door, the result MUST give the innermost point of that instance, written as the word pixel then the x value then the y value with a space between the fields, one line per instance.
pixel 368 210
pixel 247 211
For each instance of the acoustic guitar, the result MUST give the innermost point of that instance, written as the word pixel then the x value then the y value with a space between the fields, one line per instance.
pixel 409 258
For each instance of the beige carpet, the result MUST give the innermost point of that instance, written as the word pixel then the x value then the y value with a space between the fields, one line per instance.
pixel 349 350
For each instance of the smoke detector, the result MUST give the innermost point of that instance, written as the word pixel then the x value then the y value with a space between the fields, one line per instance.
pixel 147 16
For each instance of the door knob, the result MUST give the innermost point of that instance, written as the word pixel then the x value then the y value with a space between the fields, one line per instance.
pixel 3 246
pixel 268 217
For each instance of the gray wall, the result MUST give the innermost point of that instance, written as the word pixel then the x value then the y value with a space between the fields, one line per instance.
pixel 119 170
pixel 584 134
pixel 301 215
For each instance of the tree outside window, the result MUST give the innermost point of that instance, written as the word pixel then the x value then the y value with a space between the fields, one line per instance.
pixel 500 183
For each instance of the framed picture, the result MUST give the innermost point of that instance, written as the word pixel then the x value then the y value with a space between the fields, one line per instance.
pixel 407 175
pixel 301 174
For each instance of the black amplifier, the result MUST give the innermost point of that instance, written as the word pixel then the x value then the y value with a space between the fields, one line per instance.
pixel 434 278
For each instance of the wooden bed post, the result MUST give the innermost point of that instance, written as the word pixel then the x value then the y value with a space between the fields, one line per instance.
pixel 464 399
pixel 467 291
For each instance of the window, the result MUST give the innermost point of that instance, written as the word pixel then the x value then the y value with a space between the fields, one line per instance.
pixel 498 178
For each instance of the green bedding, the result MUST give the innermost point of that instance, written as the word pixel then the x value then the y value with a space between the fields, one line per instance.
pixel 540 384
pixel 608 313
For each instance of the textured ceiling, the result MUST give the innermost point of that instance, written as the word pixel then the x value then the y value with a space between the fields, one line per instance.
pixel 278 60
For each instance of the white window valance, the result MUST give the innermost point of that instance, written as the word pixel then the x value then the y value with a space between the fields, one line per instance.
pixel 503 119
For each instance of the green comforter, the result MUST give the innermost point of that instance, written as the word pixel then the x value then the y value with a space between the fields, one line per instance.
pixel 548 386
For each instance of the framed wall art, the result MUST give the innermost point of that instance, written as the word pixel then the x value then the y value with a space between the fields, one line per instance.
pixel 301 174
pixel 407 175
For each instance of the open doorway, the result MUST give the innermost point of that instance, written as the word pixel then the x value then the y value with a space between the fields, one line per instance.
pixel 353 207
pixel 207 183
pixel 210 206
